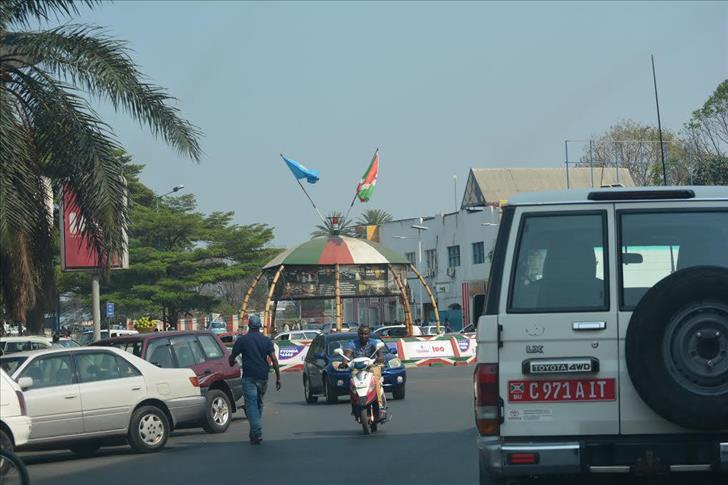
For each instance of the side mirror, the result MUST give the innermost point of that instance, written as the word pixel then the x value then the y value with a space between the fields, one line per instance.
pixel 338 351
pixel 25 383
pixel 632 258
pixel 379 346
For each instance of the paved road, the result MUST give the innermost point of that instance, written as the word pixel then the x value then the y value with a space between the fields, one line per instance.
pixel 430 439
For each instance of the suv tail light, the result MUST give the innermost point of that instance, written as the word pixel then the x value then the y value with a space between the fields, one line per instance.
pixel 195 381
pixel 487 399
pixel 21 401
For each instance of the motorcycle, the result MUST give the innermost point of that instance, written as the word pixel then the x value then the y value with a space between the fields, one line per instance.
pixel 363 390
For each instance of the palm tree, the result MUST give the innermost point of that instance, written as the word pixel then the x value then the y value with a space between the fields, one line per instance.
pixel 51 138
pixel 335 225
pixel 374 217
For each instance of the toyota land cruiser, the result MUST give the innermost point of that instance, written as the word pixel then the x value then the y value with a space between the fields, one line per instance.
pixel 603 347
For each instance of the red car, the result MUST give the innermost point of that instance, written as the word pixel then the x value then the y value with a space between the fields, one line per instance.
pixel 202 352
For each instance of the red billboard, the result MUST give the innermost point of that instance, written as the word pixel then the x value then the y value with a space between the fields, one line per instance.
pixel 77 252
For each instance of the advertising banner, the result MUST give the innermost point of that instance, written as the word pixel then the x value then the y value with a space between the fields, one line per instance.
pixel 77 252
pixel 291 353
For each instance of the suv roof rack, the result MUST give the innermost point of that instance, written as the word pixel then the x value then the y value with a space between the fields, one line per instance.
pixel 642 194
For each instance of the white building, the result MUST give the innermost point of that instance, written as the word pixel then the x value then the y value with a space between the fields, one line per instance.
pixel 452 250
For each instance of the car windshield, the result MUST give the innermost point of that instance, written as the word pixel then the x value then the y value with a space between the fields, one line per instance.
pixel 337 344
pixel 88 337
pixel 69 343
pixel 218 325
pixel 10 364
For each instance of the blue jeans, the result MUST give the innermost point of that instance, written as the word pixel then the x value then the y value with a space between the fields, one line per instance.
pixel 253 392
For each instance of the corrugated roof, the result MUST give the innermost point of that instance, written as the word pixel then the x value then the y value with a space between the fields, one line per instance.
pixel 491 185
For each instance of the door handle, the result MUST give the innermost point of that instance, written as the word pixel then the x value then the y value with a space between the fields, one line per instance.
pixel 588 326
pixel 136 388
pixel 72 396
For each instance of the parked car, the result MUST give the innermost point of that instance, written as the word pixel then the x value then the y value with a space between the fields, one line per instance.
pixel 603 345
pixel 205 354
pixel 432 330
pixel 88 336
pixel 86 397
pixel 15 425
pixel 10 345
pixel 322 377
pixel 217 327
pixel 297 335
pixel 469 328
pixel 396 331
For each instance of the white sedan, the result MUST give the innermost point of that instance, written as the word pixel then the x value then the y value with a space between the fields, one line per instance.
pixel 82 398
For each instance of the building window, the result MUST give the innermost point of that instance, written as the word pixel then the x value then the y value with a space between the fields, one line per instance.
pixel 431 261
pixel 410 257
pixel 478 253
pixel 453 256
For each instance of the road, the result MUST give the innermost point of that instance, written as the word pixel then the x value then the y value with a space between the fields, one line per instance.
pixel 430 440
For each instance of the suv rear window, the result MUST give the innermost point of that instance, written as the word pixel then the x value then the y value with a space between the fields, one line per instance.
pixel 656 244
pixel 560 264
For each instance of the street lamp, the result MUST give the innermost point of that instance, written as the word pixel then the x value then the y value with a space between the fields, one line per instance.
pixel 419 227
pixel 176 188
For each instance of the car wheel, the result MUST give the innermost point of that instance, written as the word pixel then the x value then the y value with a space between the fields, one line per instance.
pixel 217 416
pixel 85 450
pixel 148 430
pixel 677 348
pixel 331 396
pixel 5 442
pixel 307 392
pixel 398 392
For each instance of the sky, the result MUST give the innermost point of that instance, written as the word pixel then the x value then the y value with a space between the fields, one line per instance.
pixel 440 87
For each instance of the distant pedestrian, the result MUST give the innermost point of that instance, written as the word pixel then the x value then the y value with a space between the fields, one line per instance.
pixel 255 349
pixel 56 340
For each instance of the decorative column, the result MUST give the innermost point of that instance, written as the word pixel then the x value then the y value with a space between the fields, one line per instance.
pixel 429 292
pixel 405 300
pixel 271 290
pixel 246 299
pixel 337 293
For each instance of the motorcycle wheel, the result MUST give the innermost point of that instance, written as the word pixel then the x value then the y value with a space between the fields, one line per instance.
pixel 364 418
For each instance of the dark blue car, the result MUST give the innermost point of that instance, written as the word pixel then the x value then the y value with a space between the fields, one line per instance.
pixel 322 377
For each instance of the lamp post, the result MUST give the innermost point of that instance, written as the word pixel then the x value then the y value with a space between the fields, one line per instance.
pixel 175 189
pixel 419 227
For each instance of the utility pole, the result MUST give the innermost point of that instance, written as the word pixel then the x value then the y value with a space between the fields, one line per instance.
pixel 96 304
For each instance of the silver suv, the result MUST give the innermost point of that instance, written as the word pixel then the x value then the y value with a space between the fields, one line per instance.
pixel 604 344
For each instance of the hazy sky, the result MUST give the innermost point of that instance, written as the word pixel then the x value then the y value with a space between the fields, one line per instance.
pixel 441 87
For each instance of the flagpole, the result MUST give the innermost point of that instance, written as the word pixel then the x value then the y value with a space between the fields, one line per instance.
pixel 311 200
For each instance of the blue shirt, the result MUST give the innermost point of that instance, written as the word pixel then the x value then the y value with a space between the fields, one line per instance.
pixel 254 347
pixel 359 350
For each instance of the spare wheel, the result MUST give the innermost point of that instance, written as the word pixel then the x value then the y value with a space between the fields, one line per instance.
pixel 677 348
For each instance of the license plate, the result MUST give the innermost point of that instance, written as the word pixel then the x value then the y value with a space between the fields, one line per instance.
pixel 562 390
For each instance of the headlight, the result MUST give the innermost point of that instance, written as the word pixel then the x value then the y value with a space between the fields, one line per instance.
pixel 394 363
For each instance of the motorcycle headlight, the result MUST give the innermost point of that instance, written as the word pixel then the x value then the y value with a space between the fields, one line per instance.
pixel 394 363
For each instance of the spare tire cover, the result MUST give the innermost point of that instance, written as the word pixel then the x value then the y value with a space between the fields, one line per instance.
pixel 677 348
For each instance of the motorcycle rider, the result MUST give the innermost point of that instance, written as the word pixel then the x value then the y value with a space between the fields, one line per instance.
pixel 365 346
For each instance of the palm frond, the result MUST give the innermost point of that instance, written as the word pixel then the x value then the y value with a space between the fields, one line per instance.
pixel 88 58
pixel 25 12
pixel 76 150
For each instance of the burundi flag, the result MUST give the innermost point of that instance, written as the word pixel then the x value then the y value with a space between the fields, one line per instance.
pixel 301 172
pixel 365 189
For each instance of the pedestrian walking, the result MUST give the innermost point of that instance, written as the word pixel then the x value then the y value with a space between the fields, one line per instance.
pixel 255 350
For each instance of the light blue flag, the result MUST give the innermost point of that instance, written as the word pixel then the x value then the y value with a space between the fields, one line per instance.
pixel 301 172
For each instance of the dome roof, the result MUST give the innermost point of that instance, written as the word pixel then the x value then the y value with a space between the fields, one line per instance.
pixel 337 250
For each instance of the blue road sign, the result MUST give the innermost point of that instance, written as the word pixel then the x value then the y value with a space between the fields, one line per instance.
pixel 109 309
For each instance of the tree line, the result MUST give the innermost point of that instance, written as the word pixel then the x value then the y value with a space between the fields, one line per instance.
pixel 696 155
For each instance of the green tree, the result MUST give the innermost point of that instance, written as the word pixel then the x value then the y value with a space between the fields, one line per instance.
pixel 636 146
pixel 181 260
pixel 373 217
pixel 50 137
pixel 334 225
pixel 707 130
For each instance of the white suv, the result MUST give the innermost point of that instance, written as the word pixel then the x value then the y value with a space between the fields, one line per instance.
pixel 604 343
